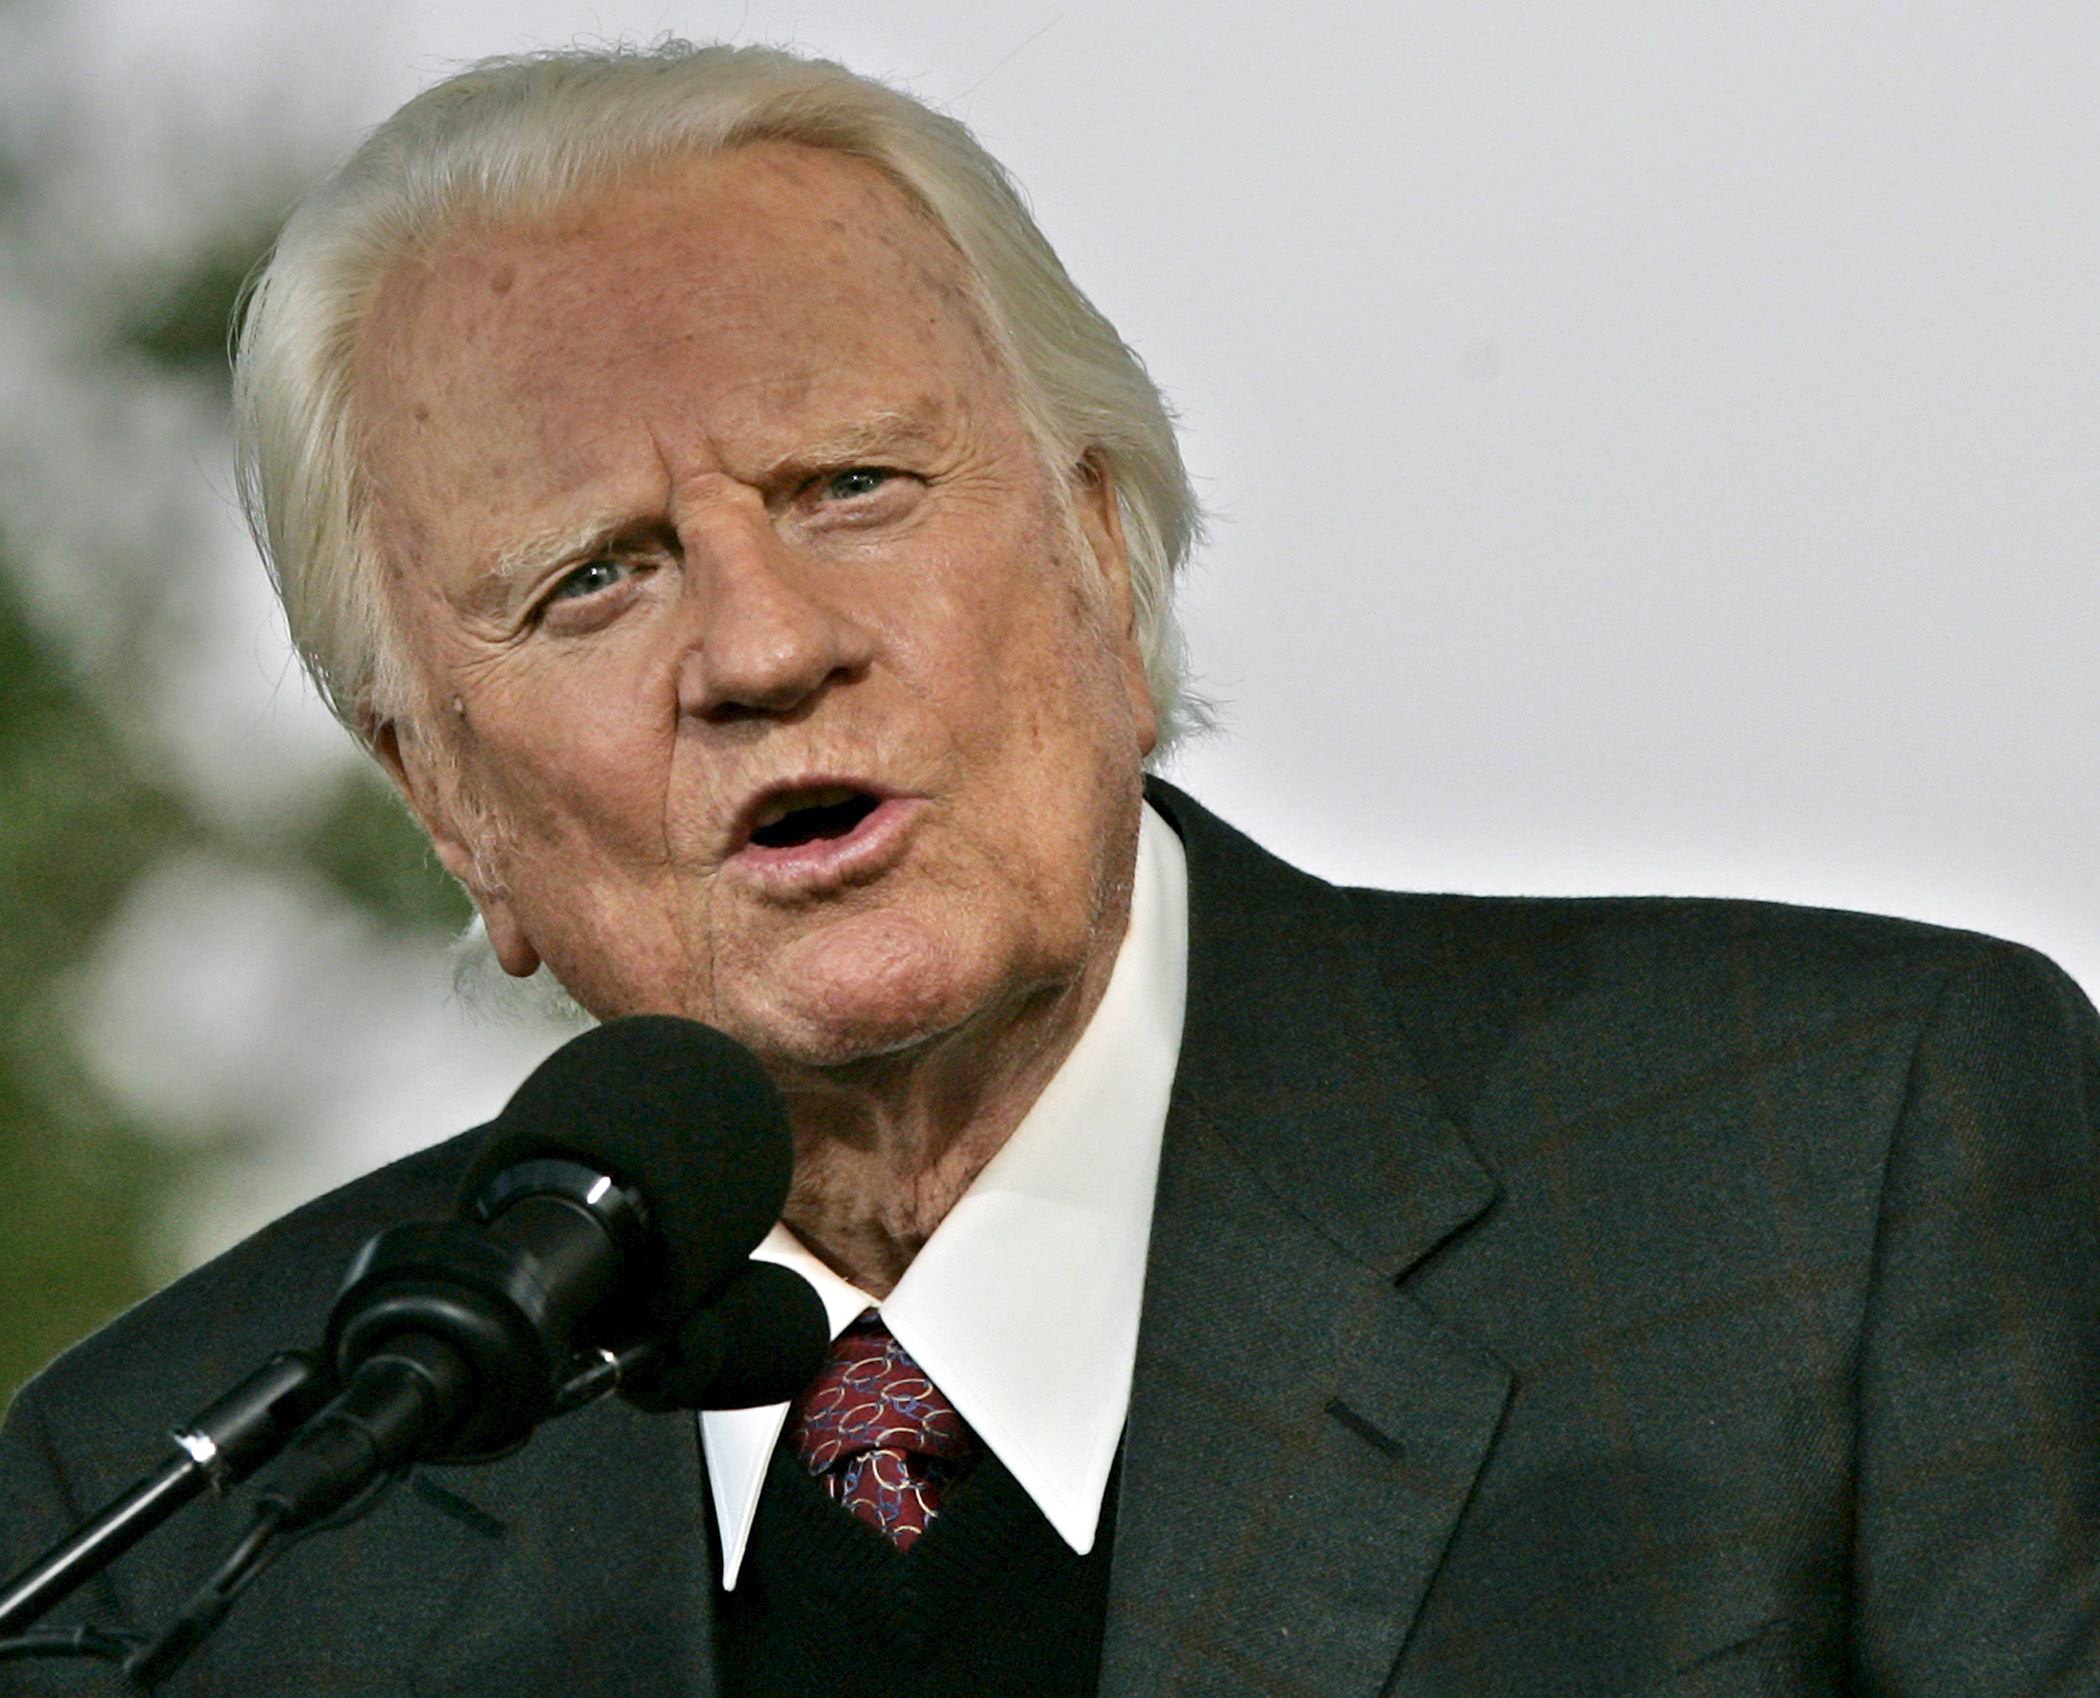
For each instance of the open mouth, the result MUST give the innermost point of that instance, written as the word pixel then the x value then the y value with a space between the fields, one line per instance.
pixel 812 816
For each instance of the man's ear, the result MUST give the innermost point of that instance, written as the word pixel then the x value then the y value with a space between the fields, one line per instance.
pixel 399 750
pixel 1101 523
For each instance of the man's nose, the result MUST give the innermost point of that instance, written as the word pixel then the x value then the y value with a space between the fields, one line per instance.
pixel 769 636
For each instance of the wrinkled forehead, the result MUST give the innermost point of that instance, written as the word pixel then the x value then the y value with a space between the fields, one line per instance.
pixel 742 290
pixel 751 207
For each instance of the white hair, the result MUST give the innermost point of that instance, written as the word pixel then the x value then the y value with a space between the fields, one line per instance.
pixel 513 138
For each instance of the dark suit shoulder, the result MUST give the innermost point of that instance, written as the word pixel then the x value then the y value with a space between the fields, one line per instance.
pixel 1511 932
pixel 1606 999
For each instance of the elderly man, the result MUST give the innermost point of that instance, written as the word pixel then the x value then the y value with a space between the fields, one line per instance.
pixel 695 479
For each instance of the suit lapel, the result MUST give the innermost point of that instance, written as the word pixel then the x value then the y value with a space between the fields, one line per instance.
pixel 1303 1434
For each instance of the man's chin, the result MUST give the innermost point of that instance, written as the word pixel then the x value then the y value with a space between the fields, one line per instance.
pixel 839 1033
pixel 877 986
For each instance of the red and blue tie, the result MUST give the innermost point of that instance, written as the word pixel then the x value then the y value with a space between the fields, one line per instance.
pixel 879 1434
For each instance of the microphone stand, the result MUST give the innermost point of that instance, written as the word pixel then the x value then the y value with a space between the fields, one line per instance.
pixel 217 1448
pixel 361 1475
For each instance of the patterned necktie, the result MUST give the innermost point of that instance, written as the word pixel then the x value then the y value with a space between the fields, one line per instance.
pixel 879 1434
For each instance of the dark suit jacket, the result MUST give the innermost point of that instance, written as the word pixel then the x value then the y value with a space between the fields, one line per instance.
pixel 1596 1297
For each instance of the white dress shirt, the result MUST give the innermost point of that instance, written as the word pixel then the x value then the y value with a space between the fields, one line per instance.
pixel 1023 1305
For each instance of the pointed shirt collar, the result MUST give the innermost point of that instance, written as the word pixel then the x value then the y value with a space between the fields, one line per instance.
pixel 1023 1305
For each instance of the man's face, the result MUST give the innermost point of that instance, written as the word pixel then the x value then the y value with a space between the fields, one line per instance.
pixel 768 680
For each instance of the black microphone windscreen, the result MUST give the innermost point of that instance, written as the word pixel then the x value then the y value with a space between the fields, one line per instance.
pixel 673 1110
pixel 761 1341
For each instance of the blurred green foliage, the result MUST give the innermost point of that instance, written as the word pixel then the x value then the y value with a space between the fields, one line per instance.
pixel 82 1187
pixel 185 321
pixel 366 845
pixel 83 816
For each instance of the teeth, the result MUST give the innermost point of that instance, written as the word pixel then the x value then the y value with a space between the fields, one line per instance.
pixel 825 796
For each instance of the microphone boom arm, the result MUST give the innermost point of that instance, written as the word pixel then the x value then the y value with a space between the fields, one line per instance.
pixel 218 1447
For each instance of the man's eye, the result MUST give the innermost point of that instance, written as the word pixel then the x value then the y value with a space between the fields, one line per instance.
pixel 587 580
pixel 856 481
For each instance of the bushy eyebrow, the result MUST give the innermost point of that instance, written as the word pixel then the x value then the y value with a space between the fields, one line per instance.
pixel 868 437
pixel 527 558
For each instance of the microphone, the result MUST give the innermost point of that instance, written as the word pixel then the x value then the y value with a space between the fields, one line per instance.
pixel 616 1197
pixel 609 1212
pixel 761 1341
